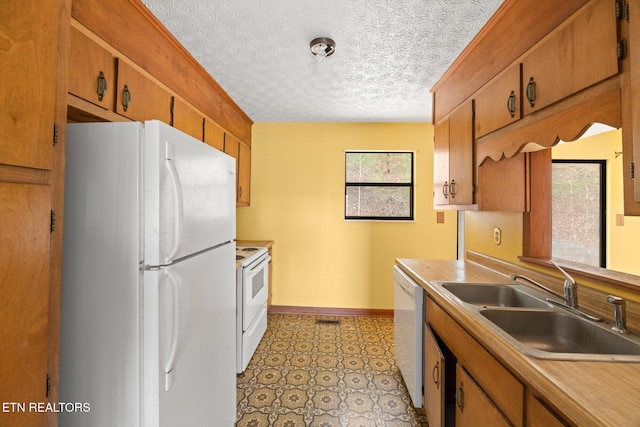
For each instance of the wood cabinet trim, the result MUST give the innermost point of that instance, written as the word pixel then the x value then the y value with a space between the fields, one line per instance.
pixel 566 120
pixel 487 54
pixel 172 63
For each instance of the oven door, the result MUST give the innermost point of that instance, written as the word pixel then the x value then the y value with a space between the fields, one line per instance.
pixel 255 287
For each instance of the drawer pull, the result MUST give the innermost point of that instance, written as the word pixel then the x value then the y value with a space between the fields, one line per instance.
pixel 435 374
pixel 511 104
pixel 531 91
pixel 102 86
pixel 460 397
pixel 126 97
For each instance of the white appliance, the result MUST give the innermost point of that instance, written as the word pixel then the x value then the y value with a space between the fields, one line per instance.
pixel 408 325
pixel 252 292
pixel 147 283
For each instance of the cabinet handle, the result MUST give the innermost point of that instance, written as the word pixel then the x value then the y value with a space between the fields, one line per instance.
pixel 240 191
pixel 435 374
pixel 445 190
pixel 452 188
pixel 531 92
pixel 460 397
pixel 511 104
pixel 102 86
pixel 126 97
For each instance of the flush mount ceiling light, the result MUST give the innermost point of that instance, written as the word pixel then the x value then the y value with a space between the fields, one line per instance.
pixel 322 47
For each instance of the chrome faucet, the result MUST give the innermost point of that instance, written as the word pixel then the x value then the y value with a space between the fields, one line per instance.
pixel 533 282
pixel 570 297
pixel 619 313
pixel 570 288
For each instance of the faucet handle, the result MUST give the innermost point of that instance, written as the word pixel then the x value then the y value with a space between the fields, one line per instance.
pixel 567 277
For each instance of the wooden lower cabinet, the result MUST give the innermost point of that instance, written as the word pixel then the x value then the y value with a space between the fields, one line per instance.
pixel 473 406
pixel 537 414
pixel 25 215
pixel 464 385
pixel 434 376
pixel 491 384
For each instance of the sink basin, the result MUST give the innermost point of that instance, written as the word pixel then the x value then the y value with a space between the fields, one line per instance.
pixel 551 331
pixel 494 295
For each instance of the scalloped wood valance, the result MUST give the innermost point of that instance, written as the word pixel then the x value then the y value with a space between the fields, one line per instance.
pixel 566 120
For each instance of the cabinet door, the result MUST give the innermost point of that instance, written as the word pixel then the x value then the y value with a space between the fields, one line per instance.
pixel 92 71
pixel 441 163
pixel 498 103
pixel 434 375
pixel 473 407
pixel 461 155
pixel 579 53
pixel 24 306
pixel 213 134
pixel 187 119
pixel 139 98
pixel 504 186
pixel 28 55
pixel 538 415
pixel 244 175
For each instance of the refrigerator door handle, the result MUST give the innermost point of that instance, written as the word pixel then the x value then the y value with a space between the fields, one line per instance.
pixel 175 339
pixel 177 206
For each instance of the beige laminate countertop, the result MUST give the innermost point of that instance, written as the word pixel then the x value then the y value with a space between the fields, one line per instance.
pixel 586 392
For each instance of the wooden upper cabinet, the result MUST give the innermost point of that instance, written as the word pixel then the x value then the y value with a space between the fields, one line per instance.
pixel 453 158
pixel 28 57
pixel 25 259
pixel 577 54
pixel 498 103
pixel 187 119
pixel 504 185
pixel 441 163
pixel 461 155
pixel 92 71
pixel 213 134
pixel 140 98
pixel 242 153
pixel 244 175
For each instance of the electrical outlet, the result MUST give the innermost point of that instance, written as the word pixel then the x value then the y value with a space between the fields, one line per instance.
pixel 497 236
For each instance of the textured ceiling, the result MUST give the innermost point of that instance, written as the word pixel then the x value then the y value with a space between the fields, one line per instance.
pixel 389 53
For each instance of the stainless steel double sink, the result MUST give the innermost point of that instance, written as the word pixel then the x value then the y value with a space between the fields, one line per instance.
pixel 522 316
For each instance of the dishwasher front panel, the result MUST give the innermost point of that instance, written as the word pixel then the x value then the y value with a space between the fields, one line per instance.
pixel 408 324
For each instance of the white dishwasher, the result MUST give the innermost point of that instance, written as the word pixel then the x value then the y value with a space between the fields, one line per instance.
pixel 408 321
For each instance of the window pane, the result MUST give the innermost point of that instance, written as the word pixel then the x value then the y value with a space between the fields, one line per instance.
pixel 576 212
pixel 378 202
pixel 378 167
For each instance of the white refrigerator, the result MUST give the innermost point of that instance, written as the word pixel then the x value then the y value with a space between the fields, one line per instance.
pixel 148 281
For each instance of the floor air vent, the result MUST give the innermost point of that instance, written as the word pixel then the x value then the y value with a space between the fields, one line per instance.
pixel 327 321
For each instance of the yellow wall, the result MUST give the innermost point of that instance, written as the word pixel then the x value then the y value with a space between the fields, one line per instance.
pixel 297 199
pixel 624 253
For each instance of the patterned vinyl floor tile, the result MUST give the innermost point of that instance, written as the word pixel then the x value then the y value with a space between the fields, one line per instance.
pixel 306 373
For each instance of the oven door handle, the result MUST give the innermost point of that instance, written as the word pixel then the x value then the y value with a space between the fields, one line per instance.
pixel 259 265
